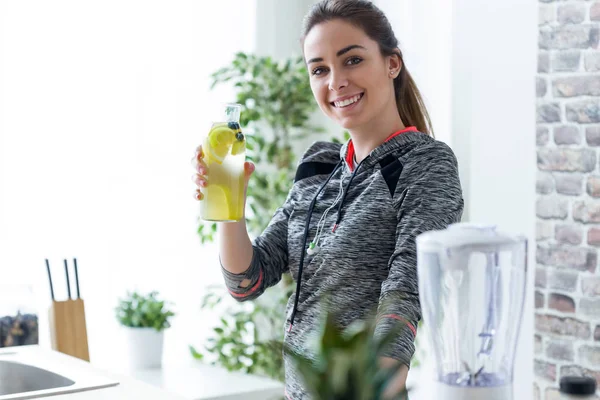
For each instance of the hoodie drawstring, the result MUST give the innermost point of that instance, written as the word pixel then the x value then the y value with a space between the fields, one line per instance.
pixel 307 227
pixel 344 193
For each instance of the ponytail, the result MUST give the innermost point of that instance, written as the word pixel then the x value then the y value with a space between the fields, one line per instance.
pixel 410 102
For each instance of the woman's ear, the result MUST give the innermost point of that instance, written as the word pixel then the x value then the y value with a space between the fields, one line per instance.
pixel 395 64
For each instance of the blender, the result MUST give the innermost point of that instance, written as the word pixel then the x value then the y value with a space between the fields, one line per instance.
pixel 472 289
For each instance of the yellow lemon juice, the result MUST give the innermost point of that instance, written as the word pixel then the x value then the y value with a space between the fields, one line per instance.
pixel 224 153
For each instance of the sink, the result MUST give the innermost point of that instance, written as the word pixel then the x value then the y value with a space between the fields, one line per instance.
pixel 30 372
pixel 20 378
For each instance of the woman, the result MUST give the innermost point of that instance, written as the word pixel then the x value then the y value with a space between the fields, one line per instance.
pixel 349 224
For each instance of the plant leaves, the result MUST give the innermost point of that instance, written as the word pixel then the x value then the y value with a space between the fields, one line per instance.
pixel 277 106
pixel 143 311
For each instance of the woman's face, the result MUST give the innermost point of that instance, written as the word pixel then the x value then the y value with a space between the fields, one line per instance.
pixel 350 79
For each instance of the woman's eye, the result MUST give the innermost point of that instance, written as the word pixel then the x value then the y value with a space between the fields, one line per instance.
pixel 351 61
pixel 318 71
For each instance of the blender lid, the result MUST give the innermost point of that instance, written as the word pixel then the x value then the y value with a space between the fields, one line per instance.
pixel 465 234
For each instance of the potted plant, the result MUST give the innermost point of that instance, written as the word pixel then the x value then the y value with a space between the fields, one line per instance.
pixel 345 362
pixel 144 317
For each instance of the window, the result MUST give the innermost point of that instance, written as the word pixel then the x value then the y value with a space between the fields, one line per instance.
pixel 101 107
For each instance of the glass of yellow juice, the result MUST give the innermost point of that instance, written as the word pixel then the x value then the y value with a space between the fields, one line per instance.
pixel 224 149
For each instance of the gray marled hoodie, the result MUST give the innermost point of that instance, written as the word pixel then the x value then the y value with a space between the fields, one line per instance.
pixel 406 186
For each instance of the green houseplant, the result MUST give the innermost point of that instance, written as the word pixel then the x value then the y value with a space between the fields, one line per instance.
pixel 143 311
pixel 144 318
pixel 277 105
pixel 345 364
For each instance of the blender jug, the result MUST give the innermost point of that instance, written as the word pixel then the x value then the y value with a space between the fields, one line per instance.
pixel 472 289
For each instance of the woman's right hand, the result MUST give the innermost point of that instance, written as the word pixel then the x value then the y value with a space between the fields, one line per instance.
pixel 236 250
pixel 200 178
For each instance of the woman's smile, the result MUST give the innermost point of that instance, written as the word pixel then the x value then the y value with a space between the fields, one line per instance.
pixel 347 103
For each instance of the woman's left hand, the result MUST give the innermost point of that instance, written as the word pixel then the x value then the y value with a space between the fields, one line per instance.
pixel 398 382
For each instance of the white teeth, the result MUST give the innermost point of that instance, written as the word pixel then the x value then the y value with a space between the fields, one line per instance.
pixel 347 102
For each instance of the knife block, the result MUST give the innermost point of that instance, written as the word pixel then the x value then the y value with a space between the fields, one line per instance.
pixel 68 332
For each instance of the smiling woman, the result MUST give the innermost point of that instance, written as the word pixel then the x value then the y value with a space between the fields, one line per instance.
pixel 354 66
pixel 348 226
pixel 343 101
pixel 352 82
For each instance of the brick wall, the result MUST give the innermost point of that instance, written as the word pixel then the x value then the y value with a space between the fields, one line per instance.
pixel 567 279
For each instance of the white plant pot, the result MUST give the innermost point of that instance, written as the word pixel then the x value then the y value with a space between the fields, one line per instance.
pixel 145 346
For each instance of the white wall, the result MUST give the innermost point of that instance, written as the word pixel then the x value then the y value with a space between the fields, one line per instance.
pixel 493 130
pixel 278 27
pixel 423 29
pixel 102 106
pixel 475 63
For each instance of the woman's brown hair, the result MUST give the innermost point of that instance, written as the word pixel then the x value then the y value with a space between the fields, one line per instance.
pixel 366 16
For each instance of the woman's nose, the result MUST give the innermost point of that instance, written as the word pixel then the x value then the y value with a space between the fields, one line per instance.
pixel 337 81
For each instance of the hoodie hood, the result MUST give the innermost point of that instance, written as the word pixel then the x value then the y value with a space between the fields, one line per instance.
pixel 395 141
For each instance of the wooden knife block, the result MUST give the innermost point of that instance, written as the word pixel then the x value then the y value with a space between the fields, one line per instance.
pixel 68 332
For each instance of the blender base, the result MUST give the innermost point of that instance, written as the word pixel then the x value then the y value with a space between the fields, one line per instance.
pixel 447 392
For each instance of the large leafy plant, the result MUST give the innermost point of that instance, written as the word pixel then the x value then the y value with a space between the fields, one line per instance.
pixel 143 311
pixel 237 344
pixel 277 103
pixel 345 364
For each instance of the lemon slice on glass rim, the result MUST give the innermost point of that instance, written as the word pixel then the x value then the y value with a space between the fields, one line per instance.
pixel 220 139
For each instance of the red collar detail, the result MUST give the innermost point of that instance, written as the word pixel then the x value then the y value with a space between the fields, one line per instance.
pixel 350 152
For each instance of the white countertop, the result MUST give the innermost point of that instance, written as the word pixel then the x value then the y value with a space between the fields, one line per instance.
pixel 128 388
pixel 196 381
pixel 73 368
pixel 189 380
